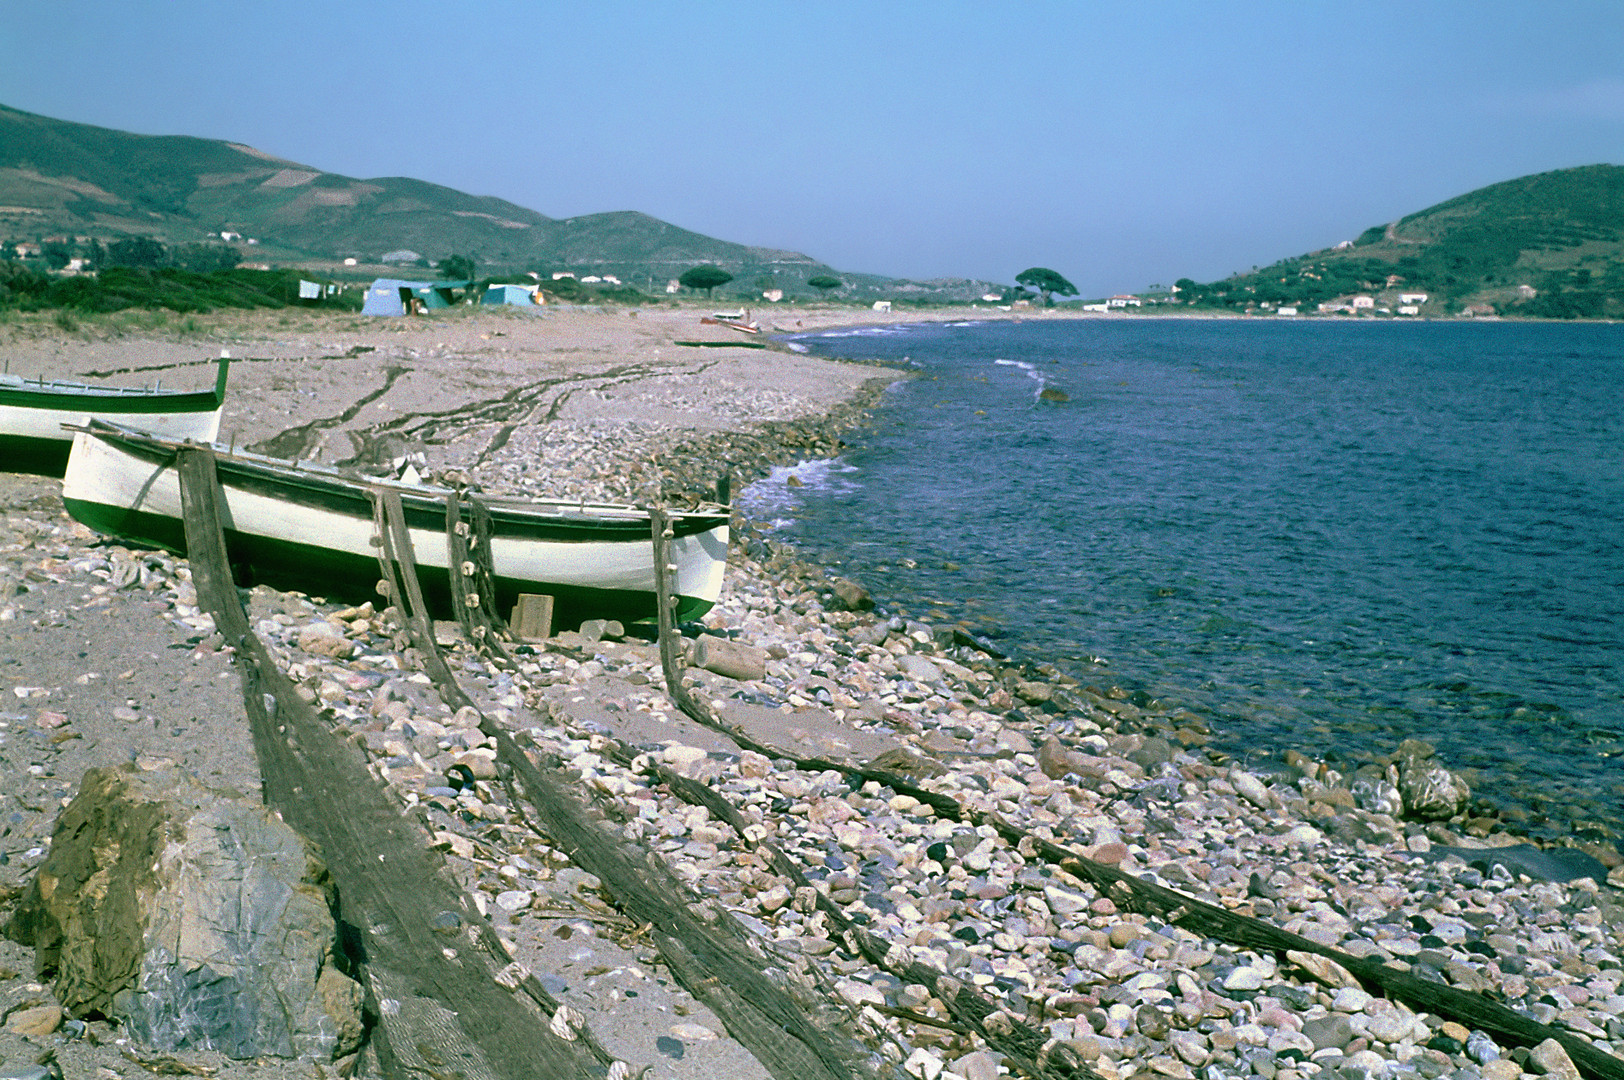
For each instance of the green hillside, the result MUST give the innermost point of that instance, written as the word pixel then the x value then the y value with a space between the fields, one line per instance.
pixel 60 179
pixel 1548 246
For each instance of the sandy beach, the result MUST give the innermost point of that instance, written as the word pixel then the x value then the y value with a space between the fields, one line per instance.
pixel 105 659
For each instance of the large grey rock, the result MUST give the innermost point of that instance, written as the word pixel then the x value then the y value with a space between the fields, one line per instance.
pixel 1553 864
pixel 1430 791
pixel 196 917
pixel 851 596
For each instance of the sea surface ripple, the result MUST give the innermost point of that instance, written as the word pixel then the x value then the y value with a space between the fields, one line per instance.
pixel 1324 536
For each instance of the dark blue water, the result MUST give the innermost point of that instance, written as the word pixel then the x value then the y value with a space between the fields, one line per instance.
pixel 1319 536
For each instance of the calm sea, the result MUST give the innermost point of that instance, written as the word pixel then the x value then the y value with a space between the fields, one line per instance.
pixel 1323 536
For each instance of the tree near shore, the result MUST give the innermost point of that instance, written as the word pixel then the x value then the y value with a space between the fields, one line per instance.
pixel 1047 282
pixel 824 282
pixel 457 268
pixel 705 277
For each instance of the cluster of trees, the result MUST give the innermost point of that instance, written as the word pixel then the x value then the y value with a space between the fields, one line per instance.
pixel 708 277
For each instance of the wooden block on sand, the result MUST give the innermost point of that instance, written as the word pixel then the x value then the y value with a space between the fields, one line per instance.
pixel 532 617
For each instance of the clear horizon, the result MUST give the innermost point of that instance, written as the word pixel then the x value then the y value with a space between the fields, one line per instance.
pixel 1121 147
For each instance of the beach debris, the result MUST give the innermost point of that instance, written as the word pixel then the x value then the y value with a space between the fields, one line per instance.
pixel 731 659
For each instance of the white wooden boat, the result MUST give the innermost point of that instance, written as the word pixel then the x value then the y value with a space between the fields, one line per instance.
pixel 33 412
pixel 309 527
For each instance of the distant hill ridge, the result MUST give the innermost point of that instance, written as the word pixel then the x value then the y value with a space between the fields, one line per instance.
pixel 1551 244
pixel 1547 245
pixel 58 177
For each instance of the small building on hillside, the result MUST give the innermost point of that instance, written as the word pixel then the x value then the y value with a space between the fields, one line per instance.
pixel 391 296
pixel 1363 303
pixel 1412 298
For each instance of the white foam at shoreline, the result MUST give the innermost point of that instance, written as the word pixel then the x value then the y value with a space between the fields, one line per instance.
pixel 775 501
pixel 1031 371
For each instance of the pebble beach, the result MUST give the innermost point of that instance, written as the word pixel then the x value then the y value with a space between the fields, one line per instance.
pixel 106 658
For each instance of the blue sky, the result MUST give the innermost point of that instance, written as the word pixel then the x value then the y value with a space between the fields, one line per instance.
pixel 1120 144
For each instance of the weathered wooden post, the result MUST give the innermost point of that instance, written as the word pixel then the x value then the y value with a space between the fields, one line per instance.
pixel 532 617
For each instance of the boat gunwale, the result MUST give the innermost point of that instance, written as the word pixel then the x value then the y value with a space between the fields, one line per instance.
pixel 325 488
pixel 66 395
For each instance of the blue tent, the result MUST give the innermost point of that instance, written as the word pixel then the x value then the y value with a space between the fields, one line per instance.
pixel 390 296
pixel 519 295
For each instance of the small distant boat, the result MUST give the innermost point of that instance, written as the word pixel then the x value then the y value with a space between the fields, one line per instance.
pixel 33 412
pixel 310 527
pixel 733 321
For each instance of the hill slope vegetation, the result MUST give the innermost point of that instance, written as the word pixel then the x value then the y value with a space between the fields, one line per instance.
pixel 1548 245
pixel 76 180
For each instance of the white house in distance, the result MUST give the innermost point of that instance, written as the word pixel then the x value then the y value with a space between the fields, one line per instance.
pixel 1123 302
pixel 1412 298
pixel 1363 303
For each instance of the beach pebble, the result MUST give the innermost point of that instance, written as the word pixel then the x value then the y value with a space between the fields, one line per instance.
pixel 1549 1059
pixel 36 1022
pixel 1250 788
pixel 513 900
pixel 684 760
pixel 1243 978
pixel 918 668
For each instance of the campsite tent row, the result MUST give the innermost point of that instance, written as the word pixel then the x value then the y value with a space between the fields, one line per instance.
pixel 391 296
